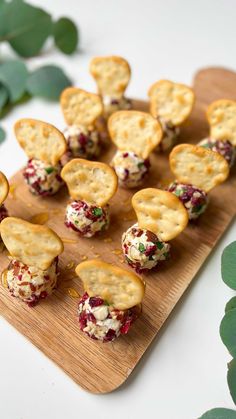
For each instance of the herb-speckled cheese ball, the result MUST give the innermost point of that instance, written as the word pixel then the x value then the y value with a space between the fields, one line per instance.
pixel 225 148
pixel 143 249
pixel 170 135
pixel 112 105
pixel 82 142
pixel 43 179
pixel 194 199
pixel 86 219
pixel 130 168
pixel 100 321
pixel 29 283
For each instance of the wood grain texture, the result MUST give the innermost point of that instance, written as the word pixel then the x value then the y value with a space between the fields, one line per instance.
pixel 52 325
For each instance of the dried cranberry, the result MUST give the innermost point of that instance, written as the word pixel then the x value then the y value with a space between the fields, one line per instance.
pixel 96 301
pixel 111 335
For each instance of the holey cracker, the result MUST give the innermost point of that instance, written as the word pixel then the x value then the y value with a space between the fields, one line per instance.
pixel 112 75
pixel 32 244
pixel 134 131
pixel 198 166
pixel 80 108
pixel 40 140
pixel 221 116
pixel 118 287
pixel 4 188
pixel 172 102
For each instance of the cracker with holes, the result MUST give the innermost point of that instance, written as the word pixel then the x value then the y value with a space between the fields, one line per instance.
pixel 172 104
pixel 34 250
pixel 135 135
pixel 160 218
pixel 4 190
pixel 111 302
pixel 44 146
pixel 91 185
pixel 197 170
pixel 81 110
pixel 112 75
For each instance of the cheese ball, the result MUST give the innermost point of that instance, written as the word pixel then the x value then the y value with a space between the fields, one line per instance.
pixel 82 142
pixel 194 199
pixel 143 249
pixel 86 219
pixel 29 283
pixel 112 105
pixel 223 147
pixel 43 179
pixel 130 168
pixel 101 321
pixel 170 135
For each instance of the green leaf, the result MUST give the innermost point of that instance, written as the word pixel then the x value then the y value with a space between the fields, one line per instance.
pixel 47 82
pixel 228 331
pixel 3 96
pixel 65 35
pixel 141 247
pixel 25 27
pixel 231 378
pixel 2 135
pixel 97 211
pixel 14 74
pixel 231 304
pixel 228 265
pixel 219 413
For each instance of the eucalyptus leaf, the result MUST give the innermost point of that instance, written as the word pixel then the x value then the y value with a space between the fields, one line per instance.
pixel 231 378
pixel 47 82
pixel 65 35
pixel 13 75
pixel 3 96
pixel 228 331
pixel 231 304
pixel 25 27
pixel 2 135
pixel 228 265
pixel 219 413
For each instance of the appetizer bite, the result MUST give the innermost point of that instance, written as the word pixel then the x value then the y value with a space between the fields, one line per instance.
pixel 112 75
pixel 111 302
pixel 44 145
pixel 197 170
pixel 91 185
pixel 81 110
pixel 171 103
pixel 135 134
pixel 221 116
pixel 4 189
pixel 33 269
pixel 161 217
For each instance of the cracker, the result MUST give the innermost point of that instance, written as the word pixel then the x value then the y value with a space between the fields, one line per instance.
pixel 93 182
pixel 32 244
pixel 198 166
pixel 171 101
pixel 119 287
pixel 135 131
pixel 79 107
pixel 4 187
pixel 40 140
pixel 112 75
pixel 221 116
pixel 160 212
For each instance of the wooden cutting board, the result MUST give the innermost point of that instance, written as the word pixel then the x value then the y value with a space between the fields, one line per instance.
pixel 52 325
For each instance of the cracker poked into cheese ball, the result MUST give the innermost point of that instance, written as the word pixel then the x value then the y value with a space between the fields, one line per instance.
pixel 111 302
pixel 223 147
pixel 4 190
pixel 197 170
pixel 112 75
pixel 81 109
pixel 44 145
pixel 34 250
pixel 135 134
pixel 91 185
pixel 171 103
pixel 161 217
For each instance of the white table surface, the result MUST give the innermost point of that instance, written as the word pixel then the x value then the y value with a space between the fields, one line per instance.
pixel 184 371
